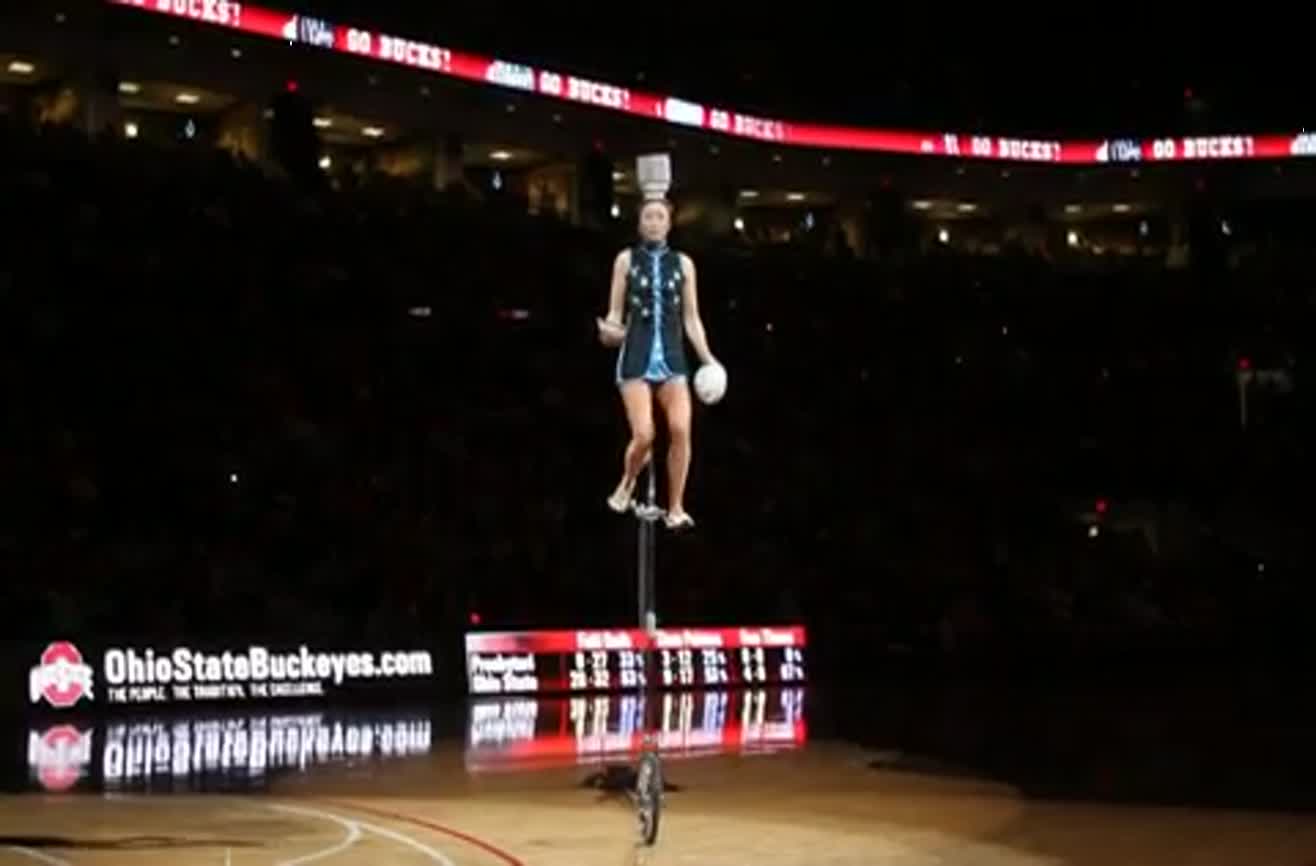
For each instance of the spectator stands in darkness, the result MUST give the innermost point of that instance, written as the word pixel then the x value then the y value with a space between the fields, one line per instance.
pixel 230 406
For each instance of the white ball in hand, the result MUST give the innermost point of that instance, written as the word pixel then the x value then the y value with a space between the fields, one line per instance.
pixel 710 383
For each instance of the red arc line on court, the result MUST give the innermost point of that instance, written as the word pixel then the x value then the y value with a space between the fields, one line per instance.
pixel 487 847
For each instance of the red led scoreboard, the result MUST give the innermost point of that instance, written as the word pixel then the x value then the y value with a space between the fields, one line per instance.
pixel 600 660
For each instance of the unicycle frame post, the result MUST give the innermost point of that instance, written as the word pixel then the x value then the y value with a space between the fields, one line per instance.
pixel 649 768
pixel 647 515
pixel 646 594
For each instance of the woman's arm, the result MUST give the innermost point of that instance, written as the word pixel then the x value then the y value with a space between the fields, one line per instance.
pixel 617 295
pixel 612 332
pixel 694 326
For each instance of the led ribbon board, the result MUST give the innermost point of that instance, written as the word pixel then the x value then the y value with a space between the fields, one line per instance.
pixel 441 60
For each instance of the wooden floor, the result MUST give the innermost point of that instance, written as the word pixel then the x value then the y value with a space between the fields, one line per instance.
pixel 819 806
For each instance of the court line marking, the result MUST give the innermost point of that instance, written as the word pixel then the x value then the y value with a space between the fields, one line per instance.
pixel 37 855
pixel 487 847
pixel 434 854
pixel 353 834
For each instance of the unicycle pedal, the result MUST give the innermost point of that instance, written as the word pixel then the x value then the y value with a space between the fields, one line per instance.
pixel 649 512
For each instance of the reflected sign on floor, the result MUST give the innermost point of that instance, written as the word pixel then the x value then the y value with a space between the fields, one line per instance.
pixel 214 753
pixel 527 732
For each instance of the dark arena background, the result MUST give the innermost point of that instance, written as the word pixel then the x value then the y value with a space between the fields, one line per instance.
pixel 1002 552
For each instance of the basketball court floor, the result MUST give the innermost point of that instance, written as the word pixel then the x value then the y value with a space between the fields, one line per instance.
pixel 819 803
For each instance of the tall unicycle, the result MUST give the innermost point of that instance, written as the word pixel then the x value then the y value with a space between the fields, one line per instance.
pixel 648 793
pixel 652 309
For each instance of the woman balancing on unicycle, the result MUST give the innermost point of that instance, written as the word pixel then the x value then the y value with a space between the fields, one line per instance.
pixel 652 305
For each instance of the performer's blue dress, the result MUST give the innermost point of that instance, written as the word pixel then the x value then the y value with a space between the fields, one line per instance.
pixel 654 348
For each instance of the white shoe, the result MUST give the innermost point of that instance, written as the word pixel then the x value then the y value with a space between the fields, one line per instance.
pixel 622 499
pixel 679 522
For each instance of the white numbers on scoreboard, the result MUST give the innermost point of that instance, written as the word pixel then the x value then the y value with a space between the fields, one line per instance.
pixel 589 670
pixel 632 669
pixel 1164 148
pixel 753 665
pixel 678 667
pixel 599 677
pixel 792 665
pixel 599 670
pixel 715 667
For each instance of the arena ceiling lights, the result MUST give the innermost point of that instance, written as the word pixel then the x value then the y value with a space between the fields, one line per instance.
pixel 440 60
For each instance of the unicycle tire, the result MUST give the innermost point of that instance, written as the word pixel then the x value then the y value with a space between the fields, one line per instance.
pixel 649 796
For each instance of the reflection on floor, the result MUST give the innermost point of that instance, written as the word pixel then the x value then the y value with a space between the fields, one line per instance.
pixel 354 789
pixel 224 752
pixel 525 733
pixel 228 752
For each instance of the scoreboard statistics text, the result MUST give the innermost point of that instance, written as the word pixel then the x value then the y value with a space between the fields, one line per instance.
pixel 601 660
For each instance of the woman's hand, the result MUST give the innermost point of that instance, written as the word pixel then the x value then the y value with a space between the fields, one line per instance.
pixel 611 334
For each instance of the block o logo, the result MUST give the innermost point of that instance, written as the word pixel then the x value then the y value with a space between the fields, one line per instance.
pixel 62 677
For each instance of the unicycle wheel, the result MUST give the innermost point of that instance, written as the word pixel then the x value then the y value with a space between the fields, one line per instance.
pixel 649 796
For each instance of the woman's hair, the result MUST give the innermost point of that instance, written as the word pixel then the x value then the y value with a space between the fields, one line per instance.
pixel 667 203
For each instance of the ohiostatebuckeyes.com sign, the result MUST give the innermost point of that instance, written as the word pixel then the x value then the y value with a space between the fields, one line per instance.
pixel 63 678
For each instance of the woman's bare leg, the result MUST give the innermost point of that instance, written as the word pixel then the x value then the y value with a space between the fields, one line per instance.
pixel 674 397
pixel 638 400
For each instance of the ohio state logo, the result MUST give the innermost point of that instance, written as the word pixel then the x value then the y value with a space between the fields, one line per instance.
pixel 62 678
pixel 59 756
